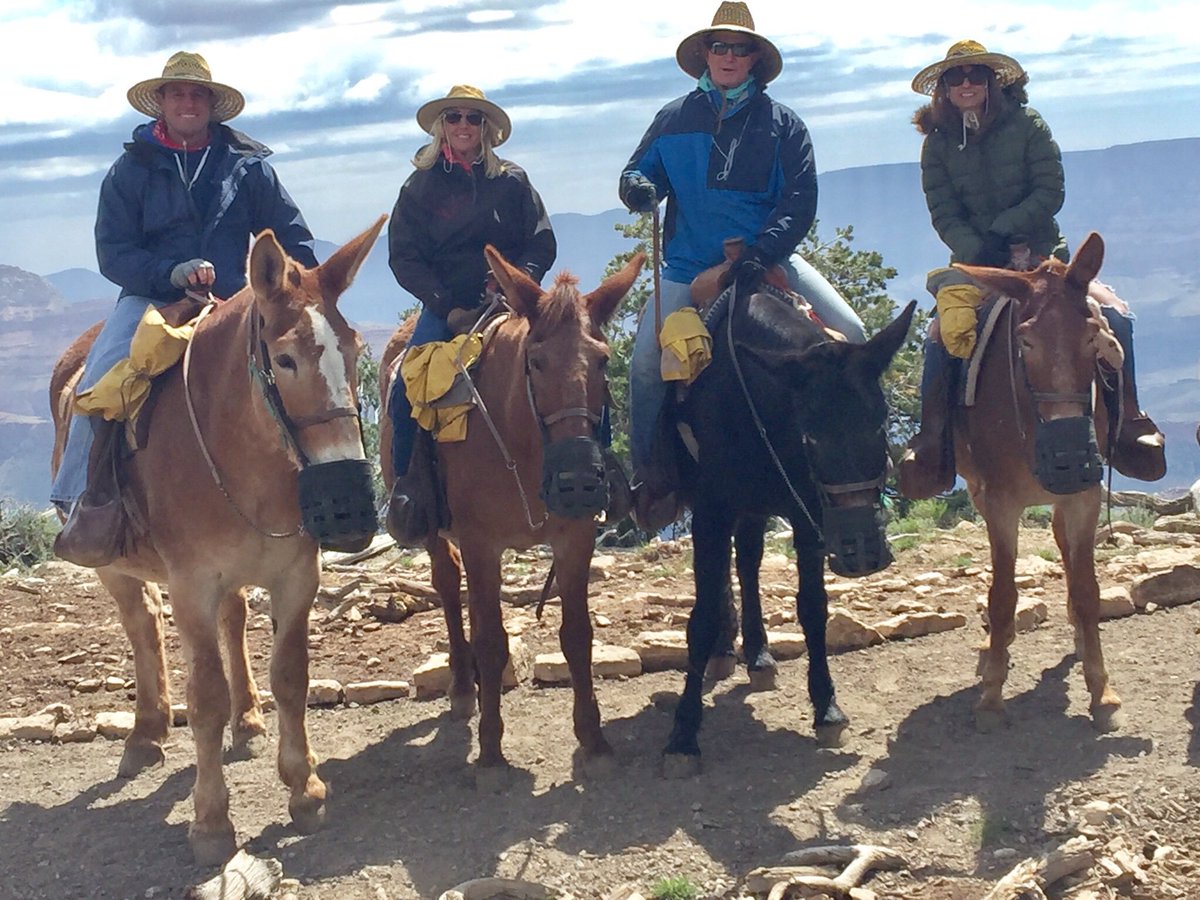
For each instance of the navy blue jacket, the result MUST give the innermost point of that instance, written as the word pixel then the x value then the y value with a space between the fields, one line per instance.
pixel 748 173
pixel 148 221
pixel 445 216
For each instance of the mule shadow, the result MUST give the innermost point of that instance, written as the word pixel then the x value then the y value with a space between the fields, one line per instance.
pixel 95 843
pixel 938 758
pixel 409 798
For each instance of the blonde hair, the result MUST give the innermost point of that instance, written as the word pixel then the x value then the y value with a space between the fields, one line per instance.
pixel 431 153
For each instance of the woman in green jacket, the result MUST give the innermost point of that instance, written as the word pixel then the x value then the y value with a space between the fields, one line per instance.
pixel 993 181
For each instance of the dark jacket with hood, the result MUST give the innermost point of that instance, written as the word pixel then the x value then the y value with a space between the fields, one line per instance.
pixel 444 217
pixel 1001 182
pixel 149 220
pixel 743 170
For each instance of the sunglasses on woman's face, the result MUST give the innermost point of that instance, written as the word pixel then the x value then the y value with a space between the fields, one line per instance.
pixel 740 50
pixel 453 117
pixel 974 74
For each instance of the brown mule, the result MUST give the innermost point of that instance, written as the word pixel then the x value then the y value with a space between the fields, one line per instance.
pixel 208 541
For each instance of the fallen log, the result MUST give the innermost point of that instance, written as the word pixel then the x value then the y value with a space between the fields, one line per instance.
pixel 800 874
pixel 1028 879
pixel 1160 506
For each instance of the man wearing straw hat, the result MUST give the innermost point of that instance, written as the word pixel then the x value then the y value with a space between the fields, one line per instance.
pixel 731 163
pixel 177 211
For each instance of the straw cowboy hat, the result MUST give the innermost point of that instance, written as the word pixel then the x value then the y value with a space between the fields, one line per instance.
pixel 464 96
pixel 968 53
pixel 730 16
pixel 189 67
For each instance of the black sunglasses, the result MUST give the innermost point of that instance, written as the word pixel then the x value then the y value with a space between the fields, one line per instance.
pixel 740 50
pixel 453 117
pixel 974 74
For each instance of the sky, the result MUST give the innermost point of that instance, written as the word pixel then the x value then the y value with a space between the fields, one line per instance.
pixel 333 88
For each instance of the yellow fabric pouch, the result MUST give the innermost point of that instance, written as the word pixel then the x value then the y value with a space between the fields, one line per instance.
pixel 120 392
pixel 429 372
pixel 956 305
pixel 686 346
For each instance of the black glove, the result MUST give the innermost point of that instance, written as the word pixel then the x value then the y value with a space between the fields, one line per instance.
pixel 640 196
pixel 747 271
pixel 994 251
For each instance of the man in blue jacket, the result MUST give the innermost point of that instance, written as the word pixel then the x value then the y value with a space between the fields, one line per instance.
pixel 731 163
pixel 177 211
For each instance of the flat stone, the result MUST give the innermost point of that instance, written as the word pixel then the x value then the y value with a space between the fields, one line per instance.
pixel 918 624
pixel 39 727
pixel 365 692
pixel 114 725
pixel 1172 587
pixel 1115 602
pixel 786 644
pixel 661 650
pixel 74 732
pixel 324 692
pixel 432 677
pixel 607 662
pixel 844 632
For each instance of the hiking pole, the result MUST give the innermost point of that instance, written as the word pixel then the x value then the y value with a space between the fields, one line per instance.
pixel 656 260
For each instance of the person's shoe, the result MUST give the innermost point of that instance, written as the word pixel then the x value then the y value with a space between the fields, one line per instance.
pixel 926 469
pixel 652 511
pixel 1141 449
pixel 94 533
pixel 410 521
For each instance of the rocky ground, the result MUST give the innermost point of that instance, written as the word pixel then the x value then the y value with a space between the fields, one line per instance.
pixel 959 809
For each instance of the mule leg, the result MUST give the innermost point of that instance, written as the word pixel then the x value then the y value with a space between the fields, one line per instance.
pixel 490 644
pixel 1002 519
pixel 446 574
pixel 1074 529
pixel 246 725
pixel 211 834
pixel 572 560
pixel 291 599
pixel 812 610
pixel 140 606
pixel 748 541
pixel 723 661
pixel 712 529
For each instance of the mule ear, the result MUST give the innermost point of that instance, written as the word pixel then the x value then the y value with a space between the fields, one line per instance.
pixel 521 291
pixel 336 273
pixel 604 300
pixel 266 266
pixel 1006 281
pixel 1086 264
pixel 877 353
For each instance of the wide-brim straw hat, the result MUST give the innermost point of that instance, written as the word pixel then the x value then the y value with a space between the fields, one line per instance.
pixel 692 54
pixel 192 68
pixel 968 53
pixel 465 96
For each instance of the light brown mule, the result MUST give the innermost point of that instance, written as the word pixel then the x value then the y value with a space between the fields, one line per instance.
pixel 1041 365
pixel 549 356
pixel 208 543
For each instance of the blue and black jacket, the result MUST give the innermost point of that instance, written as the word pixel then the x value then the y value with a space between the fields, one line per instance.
pixel 747 173
pixel 149 220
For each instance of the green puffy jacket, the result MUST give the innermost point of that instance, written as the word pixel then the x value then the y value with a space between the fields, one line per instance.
pixel 1007 179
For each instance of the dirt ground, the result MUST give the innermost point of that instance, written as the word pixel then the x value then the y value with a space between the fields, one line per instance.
pixel 407 820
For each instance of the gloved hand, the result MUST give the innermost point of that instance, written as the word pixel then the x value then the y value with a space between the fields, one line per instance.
pixel 640 195
pixel 193 273
pixel 1105 344
pixel 994 251
pixel 747 271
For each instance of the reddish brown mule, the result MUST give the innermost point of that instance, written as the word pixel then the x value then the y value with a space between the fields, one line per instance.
pixel 541 379
pixel 1040 367
pixel 208 542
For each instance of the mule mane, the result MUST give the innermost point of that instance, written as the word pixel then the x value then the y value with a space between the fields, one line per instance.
pixel 561 307
pixel 778 326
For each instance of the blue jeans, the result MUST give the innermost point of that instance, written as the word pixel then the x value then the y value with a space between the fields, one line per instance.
pixel 111 346
pixel 429 328
pixel 647 390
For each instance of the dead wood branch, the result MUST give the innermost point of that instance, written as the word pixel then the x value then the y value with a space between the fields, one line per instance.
pixel 1028 878
pixel 800 879
pixel 244 877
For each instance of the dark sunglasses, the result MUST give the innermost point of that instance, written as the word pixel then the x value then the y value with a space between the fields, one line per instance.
pixel 453 117
pixel 974 74
pixel 740 50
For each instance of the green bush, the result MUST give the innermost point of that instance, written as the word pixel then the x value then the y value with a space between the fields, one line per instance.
pixel 675 888
pixel 26 536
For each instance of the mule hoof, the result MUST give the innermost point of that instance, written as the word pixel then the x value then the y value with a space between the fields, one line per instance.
pixel 1108 718
pixel 139 757
pixel 212 848
pixel 763 679
pixel 832 736
pixel 493 779
pixel 989 720
pixel 308 814
pixel 462 706
pixel 719 668
pixel 677 766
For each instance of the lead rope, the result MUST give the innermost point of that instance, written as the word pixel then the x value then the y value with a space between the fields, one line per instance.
pixel 209 306
pixel 656 253
pixel 758 423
